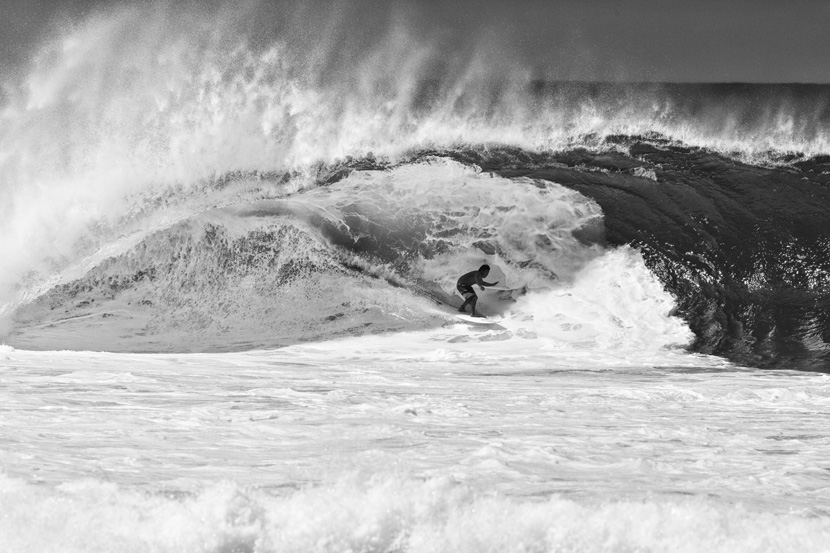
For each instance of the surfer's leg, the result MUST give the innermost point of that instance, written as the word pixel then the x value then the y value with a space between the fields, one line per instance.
pixel 473 301
pixel 468 294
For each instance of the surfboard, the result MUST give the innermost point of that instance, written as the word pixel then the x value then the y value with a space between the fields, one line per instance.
pixel 476 320
pixel 503 293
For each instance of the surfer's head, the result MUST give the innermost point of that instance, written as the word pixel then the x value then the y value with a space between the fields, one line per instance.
pixel 484 270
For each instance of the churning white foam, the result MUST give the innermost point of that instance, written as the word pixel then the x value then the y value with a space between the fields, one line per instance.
pixel 457 217
pixel 614 303
pixel 380 514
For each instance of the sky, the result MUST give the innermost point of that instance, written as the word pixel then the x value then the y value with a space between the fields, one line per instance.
pixel 628 40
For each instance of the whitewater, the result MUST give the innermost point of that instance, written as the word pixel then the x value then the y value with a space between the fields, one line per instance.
pixel 228 311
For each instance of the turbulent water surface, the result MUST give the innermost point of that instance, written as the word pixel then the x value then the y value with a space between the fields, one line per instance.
pixel 227 300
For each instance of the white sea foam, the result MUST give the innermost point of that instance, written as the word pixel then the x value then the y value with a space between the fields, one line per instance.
pixel 614 303
pixel 380 514
pixel 411 442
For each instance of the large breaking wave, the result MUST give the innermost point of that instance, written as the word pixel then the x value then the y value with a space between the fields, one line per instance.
pixel 223 186
pixel 376 251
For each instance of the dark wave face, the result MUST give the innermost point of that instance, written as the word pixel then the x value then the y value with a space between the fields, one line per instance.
pixel 745 249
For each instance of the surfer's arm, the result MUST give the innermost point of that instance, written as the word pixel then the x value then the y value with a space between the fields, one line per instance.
pixel 480 281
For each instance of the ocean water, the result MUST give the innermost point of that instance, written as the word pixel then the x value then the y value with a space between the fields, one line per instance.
pixel 228 318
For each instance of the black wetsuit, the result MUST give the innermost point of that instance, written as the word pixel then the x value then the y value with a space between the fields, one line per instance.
pixel 465 287
pixel 466 282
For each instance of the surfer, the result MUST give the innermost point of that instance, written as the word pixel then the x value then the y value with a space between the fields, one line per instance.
pixel 465 287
